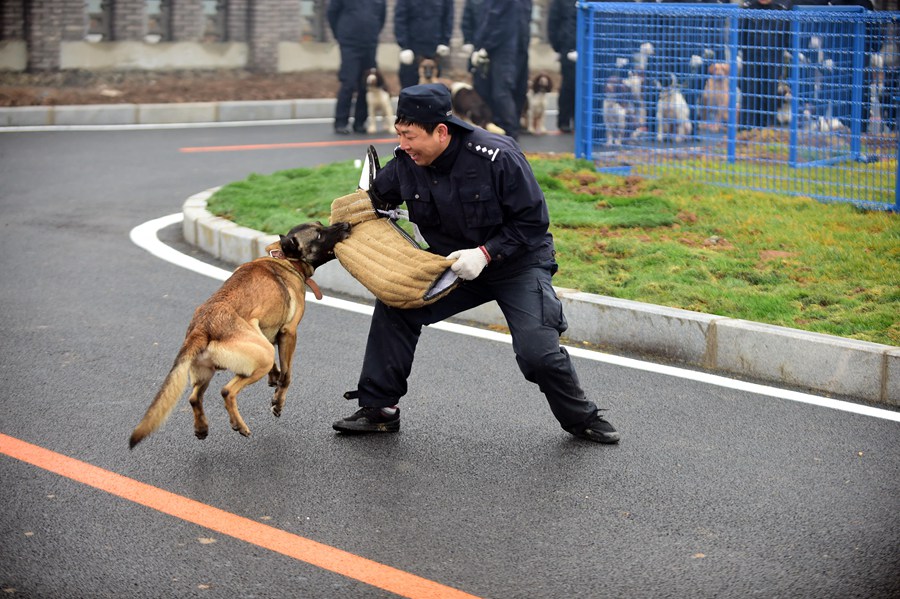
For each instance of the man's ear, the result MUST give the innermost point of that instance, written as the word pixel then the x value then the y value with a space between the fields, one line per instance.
pixel 443 131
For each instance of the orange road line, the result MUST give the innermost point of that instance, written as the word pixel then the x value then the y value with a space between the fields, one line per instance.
pixel 299 144
pixel 323 556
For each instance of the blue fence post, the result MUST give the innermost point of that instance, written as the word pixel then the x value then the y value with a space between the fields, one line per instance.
pixel 731 143
pixel 795 86
pixel 856 98
pixel 583 86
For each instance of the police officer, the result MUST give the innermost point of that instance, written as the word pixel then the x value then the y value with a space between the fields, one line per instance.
pixel 475 199
pixel 501 43
pixel 356 25
pixel 423 29
pixel 562 22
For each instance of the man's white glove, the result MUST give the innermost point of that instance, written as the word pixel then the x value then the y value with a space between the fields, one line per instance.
pixel 442 50
pixel 572 55
pixel 480 57
pixel 469 263
pixel 407 56
pixel 467 49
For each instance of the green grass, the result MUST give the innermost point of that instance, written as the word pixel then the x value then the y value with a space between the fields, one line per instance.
pixel 788 261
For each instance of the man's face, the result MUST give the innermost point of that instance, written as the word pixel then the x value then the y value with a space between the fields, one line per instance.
pixel 421 146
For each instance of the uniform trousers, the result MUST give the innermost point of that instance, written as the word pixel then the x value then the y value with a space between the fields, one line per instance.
pixel 535 318
pixel 355 60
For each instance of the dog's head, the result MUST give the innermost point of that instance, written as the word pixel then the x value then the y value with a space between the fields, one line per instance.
pixel 541 84
pixel 719 69
pixel 428 71
pixel 373 78
pixel 312 243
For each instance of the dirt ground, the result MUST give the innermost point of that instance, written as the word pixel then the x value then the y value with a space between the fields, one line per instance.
pixel 152 87
pixel 139 87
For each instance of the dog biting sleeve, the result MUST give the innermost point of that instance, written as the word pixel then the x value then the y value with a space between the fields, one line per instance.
pixel 381 256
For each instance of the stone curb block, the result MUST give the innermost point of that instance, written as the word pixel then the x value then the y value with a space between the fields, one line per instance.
pixel 116 114
pixel 209 230
pixel 824 362
pixel 269 110
pixel 821 363
pixel 189 112
pixel 25 116
pixel 237 244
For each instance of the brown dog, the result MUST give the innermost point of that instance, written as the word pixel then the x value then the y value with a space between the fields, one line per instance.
pixel 259 305
pixel 429 71
pixel 714 98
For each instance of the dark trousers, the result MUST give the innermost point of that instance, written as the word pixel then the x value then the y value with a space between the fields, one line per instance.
pixel 354 62
pixel 565 118
pixel 535 318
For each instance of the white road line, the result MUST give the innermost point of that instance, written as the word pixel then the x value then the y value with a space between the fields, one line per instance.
pixel 144 236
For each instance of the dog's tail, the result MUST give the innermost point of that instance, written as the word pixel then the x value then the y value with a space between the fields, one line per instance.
pixel 171 389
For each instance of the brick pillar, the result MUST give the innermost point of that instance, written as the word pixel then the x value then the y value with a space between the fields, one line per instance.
pixel 270 21
pixel 129 21
pixel 236 15
pixel 187 20
pixel 43 34
pixel 12 19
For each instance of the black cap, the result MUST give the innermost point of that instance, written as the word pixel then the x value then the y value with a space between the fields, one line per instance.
pixel 428 104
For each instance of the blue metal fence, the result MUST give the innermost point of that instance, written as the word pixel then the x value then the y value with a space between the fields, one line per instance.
pixel 800 102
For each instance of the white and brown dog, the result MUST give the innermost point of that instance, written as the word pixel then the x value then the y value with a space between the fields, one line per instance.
pixel 715 97
pixel 673 115
pixel 615 110
pixel 378 99
pixel 536 105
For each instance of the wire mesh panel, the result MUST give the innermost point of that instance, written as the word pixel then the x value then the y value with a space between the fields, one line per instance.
pixel 798 102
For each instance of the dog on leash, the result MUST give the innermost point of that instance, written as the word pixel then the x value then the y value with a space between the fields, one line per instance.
pixel 714 98
pixel 469 106
pixel 378 99
pixel 673 115
pixel 240 326
pixel 536 105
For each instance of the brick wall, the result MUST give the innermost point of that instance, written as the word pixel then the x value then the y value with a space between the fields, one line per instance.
pixel 12 19
pixel 186 20
pixel 127 19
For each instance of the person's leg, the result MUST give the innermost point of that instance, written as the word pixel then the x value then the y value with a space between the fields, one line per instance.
pixel 409 75
pixel 365 61
pixel 349 76
pixel 503 87
pixel 391 346
pixel 565 119
pixel 536 320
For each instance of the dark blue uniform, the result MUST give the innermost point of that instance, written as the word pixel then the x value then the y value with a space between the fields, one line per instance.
pixel 480 191
pixel 421 26
pixel 356 25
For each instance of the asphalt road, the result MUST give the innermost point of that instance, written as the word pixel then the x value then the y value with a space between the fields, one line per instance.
pixel 713 491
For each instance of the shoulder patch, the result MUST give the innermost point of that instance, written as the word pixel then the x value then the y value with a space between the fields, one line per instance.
pixel 483 150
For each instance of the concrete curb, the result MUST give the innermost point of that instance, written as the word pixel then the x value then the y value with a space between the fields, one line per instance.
pixel 155 114
pixel 821 363
pixel 188 112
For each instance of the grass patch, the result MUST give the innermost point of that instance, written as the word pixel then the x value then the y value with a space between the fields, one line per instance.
pixel 789 261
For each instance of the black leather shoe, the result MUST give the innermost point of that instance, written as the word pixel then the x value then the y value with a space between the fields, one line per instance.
pixel 345 130
pixel 370 420
pixel 598 430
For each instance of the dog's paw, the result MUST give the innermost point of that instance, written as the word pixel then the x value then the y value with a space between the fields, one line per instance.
pixel 201 433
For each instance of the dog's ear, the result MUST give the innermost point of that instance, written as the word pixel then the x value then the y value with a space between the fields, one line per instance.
pixel 289 245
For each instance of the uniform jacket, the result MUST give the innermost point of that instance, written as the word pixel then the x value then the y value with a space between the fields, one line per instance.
pixel 356 22
pixel 499 27
pixel 421 25
pixel 486 196
pixel 562 21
